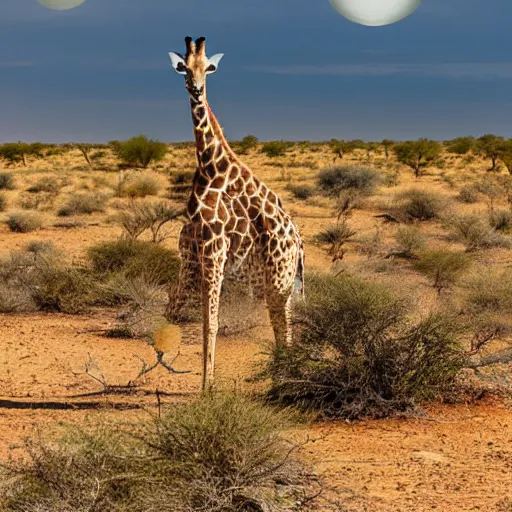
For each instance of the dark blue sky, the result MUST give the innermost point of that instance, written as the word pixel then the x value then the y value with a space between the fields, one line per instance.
pixel 293 69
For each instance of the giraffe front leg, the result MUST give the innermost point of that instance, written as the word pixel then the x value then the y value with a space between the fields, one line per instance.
pixel 213 274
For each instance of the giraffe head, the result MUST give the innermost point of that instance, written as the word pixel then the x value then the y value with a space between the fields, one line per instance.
pixel 195 65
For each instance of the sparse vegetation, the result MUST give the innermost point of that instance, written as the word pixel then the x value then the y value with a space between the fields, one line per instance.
pixel 276 148
pixel 3 202
pixel 24 222
pixel 336 236
pixel 6 181
pixel 139 186
pixel 416 204
pixel 357 354
pixel 468 194
pixel 475 233
pixel 83 204
pixel 444 268
pixel 301 191
pixel 410 241
pixel 332 180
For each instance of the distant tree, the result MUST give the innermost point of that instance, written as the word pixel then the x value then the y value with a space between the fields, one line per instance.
pixel 139 151
pixel 506 154
pixel 86 149
pixel 371 147
pixel 15 152
pixel 247 143
pixel 417 154
pixel 357 144
pixel 387 144
pixel 339 148
pixel 276 148
pixel 491 146
pixel 461 145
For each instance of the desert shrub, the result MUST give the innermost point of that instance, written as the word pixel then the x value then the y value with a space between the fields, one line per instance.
pixel 135 259
pixel 347 201
pixel 221 453
pixel 140 151
pixel 500 220
pixel 301 191
pixel 421 205
pixel 181 184
pixel 69 290
pixel 24 222
pixel 475 233
pixel 3 203
pixel 83 204
pixel 444 268
pixel 39 201
pixel 41 247
pixel 139 217
pixel 489 291
pixel 410 240
pixel 333 180
pixel 276 148
pixel 336 236
pixel 358 354
pixel 47 184
pixel 15 295
pixel 6 181
pixel 139 186
pixel 468 194
pixel 247 143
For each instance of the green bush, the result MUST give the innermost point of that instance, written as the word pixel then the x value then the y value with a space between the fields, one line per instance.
pixel 301 191
pixel 444 268
pixel 6 181
pixel 475 233
pixel 333 180
pixel 357 353
pixel 421 205
pixel 83 204
pixel 135 259
pixel 276 148
pixel 417 154
pixel 140 151
pixel 24 222
pixel 221 453
pixel 247 143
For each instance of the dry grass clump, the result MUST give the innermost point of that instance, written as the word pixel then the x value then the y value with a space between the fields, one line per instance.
pixel 47 184
pixel 7 181
pixel 358 354
pixel 220 453
pixel 416 204
pixel 138 185
pixel 475 233
pixel 501 220
pixel 83 204
pixel 3 202
pixel 443 267
pixel 469 194
pixel 410 240
pixel 301 191
pixel 336 236
pixel 332 180
pixel 24 222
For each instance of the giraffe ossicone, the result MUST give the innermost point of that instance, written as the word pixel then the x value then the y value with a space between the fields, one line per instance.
pixel 237 227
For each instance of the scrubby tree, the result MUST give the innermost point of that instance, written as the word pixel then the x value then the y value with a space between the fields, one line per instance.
pixel 276 148
pixel 387 144
pixel 247 143
pixel 340 148
pixel 461 145
pixel 491 146
pixel 417 154
pixel 371 147
pixel 506 154
pixel 15 152
pixel 139 151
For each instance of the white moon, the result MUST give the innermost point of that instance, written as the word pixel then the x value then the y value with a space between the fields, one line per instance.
pixel 61 5
pixel 375 13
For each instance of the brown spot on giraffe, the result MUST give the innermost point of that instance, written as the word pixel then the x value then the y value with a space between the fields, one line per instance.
pixel 237 225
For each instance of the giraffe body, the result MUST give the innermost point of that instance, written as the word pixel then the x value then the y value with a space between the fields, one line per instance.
pixel 237 227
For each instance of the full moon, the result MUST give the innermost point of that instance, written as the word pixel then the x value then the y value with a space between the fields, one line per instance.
pixel 61 5
pixel 375 13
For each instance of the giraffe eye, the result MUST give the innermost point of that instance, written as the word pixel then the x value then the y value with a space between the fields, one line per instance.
pixel 181 67
pixel 211 68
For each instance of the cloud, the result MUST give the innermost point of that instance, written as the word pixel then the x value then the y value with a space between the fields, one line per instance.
pixel 455 70
pixel 15 64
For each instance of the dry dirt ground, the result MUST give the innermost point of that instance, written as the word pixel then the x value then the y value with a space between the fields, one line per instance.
pixel 455 458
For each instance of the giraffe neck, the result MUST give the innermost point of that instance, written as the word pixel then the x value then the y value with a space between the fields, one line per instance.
pixel 211 144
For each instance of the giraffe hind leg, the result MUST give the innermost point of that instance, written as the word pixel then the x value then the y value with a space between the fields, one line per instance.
pixel 279 308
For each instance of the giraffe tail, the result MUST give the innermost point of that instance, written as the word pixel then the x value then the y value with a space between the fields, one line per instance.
pixel 298 287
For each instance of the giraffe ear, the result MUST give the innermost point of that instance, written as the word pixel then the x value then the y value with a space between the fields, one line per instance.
pixel 178 63
pixel 213 63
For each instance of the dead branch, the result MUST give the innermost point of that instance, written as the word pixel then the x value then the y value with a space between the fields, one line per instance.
pixel 504 357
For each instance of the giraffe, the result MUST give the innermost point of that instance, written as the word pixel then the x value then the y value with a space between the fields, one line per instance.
pixel 237 227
